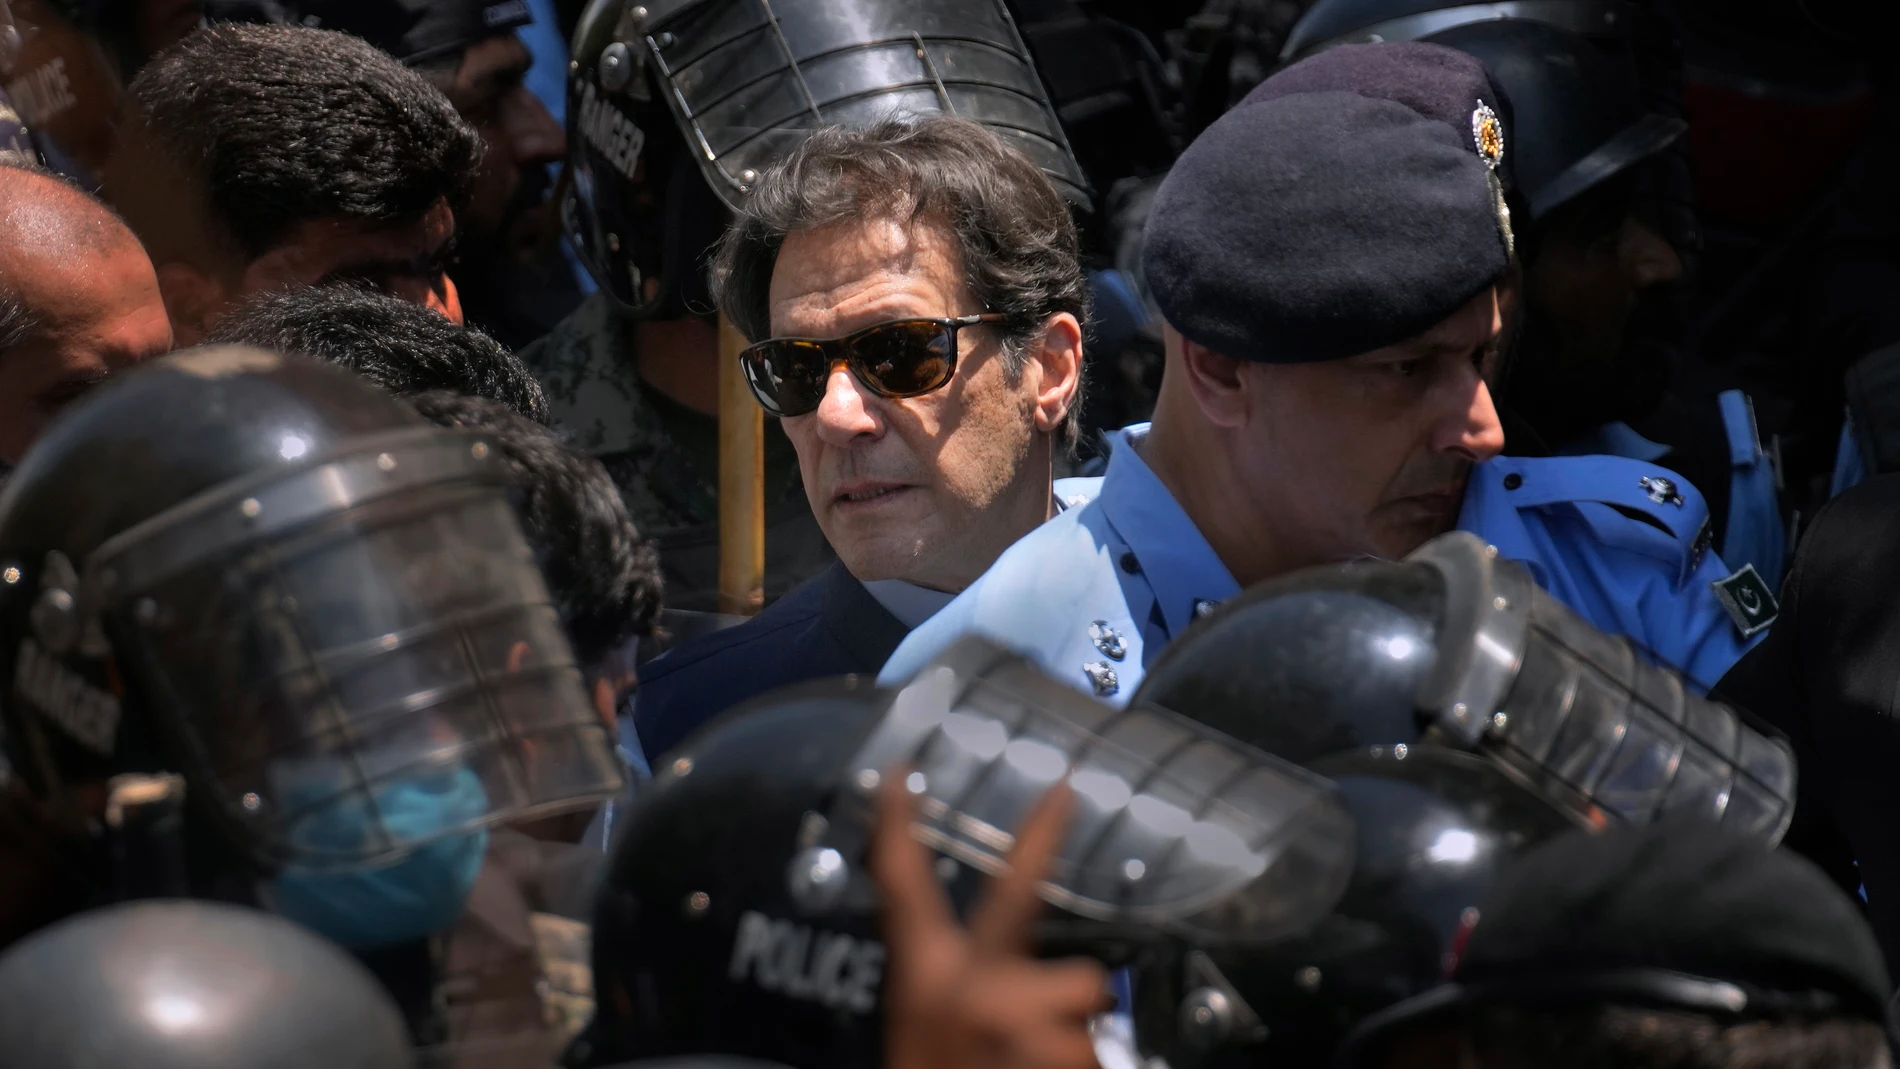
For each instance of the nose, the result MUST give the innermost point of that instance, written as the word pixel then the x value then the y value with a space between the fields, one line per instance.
pixel 534 138
pixel 847 412
pixel 1473 431
pixel 1651 259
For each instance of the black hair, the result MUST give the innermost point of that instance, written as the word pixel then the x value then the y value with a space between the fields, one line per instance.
pixel 1635 1037
pixel 604 578
pixel 402 347
pixel 1016 237
pixel 285 124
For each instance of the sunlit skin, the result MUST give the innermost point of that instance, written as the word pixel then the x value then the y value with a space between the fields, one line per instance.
pixel 1290 465
pixel 933 488
pixel 92 294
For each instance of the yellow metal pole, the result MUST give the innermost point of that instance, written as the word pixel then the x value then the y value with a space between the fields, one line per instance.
pixel 741 483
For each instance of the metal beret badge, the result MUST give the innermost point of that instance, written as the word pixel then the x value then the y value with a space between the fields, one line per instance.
pixel 1487 136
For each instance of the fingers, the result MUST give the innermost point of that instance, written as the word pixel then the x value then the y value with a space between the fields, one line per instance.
pixel 1071 990
pixel 915 907
pixel 1031 1015
pixel 1003 920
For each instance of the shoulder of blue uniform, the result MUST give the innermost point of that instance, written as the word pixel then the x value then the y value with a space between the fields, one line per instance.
pixel 1634 505
pixel 1030 600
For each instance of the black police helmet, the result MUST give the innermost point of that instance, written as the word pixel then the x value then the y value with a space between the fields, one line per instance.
pixel 192 985
pixel 276 581
pixel 1432 826
pixel 697 928
pixel 1577 118
pixel 676 106
pixel 1460 647
pixel 739 889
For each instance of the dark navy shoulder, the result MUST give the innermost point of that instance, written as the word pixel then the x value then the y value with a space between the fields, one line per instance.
pixel 800 605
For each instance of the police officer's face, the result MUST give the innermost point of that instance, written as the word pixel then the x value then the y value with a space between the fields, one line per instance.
pixel 933 488
pixel 508 207
pixel 1588 285
pixel 94 312
pixel 1369 455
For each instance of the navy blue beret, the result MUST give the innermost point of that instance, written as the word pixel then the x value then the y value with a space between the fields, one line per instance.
pixel 1348 203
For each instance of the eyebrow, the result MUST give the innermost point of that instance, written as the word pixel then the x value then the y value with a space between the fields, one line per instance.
pixel 500 79
pixel 426 265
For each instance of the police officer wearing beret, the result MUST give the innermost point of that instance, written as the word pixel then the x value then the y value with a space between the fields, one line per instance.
pixel 1597 169
pixel 1329 259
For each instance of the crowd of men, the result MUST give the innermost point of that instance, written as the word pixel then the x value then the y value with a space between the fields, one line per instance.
pixel 1298 532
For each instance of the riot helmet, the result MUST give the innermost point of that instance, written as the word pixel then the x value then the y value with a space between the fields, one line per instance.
pixel 1577 114
pixel 696 927
pixel 1459 647
pixel 192 985
pixel 261 581
pixel 62 71
pixel 738 888
pixel 1594 88
pixel 676 106
pixel 1432 828
pixel 1262 909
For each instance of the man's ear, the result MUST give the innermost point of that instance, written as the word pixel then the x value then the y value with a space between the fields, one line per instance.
pixel 1060 359
pixel 194 301
pixel 1218 383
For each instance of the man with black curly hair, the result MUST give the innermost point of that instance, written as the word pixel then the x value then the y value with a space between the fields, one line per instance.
pixel 401 347
pixel 258 158
pixel 604 578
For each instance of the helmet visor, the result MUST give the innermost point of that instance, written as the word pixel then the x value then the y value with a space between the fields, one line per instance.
pixel 385 674
pixel 1174 825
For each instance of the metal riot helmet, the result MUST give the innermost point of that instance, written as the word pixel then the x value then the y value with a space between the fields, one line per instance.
pixel 266 585
pixel 1575 72
pixel 1262 909
pixel 61 74
pixel 695 927
pixel 1458 647
pixel 738 889
pixel 192 985
pixel 676 106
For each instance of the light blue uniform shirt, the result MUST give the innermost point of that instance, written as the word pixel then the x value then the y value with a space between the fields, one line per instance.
pixel 1093 595
pixel 1753 532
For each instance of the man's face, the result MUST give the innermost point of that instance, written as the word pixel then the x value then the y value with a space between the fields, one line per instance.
pixel 98 313
pixel 202 276
pixel 1369 455
pixel 1601 322
pixel 508 209
pixel 408 262
pixel 929 489
pixel 1590 285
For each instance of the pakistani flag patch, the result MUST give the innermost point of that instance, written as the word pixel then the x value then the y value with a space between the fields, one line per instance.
pixel 1750 604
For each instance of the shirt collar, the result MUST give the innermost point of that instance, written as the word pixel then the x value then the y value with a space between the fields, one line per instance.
pixel 1179 565
pixel 910 603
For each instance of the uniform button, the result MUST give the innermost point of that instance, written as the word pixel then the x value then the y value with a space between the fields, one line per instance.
pixel 1513 481
pixel 1130 564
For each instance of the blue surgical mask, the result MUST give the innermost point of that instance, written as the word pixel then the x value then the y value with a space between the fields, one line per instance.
pixel 411 898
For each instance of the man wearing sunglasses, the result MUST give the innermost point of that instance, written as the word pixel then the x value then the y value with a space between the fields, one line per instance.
pixel 916 298
pixel 1331 259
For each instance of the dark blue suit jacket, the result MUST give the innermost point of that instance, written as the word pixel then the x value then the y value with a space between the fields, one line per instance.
pixel 828 626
